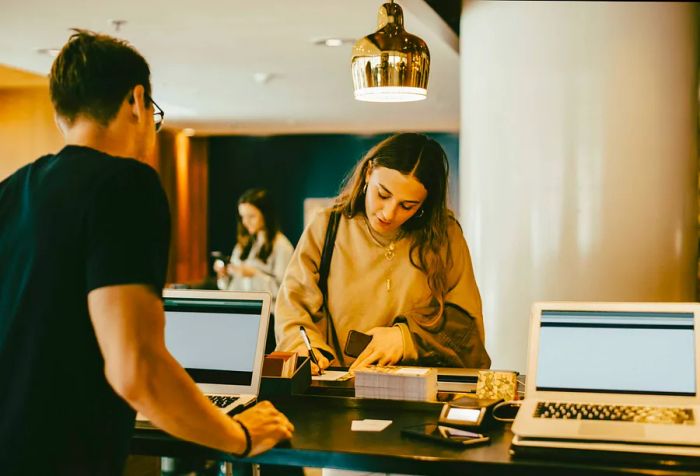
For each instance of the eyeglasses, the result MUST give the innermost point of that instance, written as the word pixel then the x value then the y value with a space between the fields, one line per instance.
pixel 158 115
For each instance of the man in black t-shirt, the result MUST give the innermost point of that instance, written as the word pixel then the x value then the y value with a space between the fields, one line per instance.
pixel 84 240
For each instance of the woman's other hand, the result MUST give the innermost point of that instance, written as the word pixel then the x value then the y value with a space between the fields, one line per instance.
pixel 247 271
pixel 266 425
pixel 385 348
pixel 242 270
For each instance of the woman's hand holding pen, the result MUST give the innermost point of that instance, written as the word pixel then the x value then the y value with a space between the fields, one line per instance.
pixel 323 362
pixel 319 362
pixel 266 425
pixel 385 348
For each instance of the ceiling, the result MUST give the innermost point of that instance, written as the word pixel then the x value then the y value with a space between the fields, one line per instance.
pixel 204 57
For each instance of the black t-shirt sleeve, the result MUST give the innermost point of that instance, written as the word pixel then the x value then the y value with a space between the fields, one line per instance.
pixel 128 230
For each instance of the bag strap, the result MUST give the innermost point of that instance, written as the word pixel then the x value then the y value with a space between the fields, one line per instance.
pixel 323 270
pixel 327 253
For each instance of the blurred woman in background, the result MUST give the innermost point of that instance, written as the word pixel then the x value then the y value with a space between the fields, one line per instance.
pixel 261 254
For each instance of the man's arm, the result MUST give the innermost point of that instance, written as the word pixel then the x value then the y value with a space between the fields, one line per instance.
pixel 129 324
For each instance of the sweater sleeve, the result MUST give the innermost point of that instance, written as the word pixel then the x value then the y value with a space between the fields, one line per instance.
pixel 300 302
pixel 443 341
pixel 271 281
pixel 463 290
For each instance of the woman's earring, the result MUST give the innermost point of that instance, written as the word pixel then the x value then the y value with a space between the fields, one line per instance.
pixel 364 189
pixel 420 213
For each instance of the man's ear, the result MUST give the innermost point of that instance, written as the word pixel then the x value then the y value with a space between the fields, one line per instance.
pixel 137 103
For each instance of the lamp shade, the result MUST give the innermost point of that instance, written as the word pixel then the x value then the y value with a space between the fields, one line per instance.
pixel 390 65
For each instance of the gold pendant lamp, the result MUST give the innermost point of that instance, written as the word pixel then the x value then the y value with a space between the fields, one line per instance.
pixel 390 65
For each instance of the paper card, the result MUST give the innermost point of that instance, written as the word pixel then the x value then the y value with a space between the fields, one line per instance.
pixel 332 376
pixel 370 425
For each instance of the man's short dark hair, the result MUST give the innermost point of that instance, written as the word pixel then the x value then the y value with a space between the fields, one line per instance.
pixel 92 75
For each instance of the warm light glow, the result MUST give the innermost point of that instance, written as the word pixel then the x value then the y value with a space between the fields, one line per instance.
pixel 182 174
pixel 391 94
pixel 333 42
pixel 188 131
pixel 53 52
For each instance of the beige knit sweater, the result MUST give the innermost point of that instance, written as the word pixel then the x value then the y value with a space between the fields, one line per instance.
pixel 357 286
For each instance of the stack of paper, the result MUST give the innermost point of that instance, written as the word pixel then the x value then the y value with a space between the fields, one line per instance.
pixel 396 383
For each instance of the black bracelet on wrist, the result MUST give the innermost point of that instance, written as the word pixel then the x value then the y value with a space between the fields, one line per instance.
pixel 248 441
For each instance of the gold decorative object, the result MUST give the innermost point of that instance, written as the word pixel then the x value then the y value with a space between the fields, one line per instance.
pixel 390 65
pixel 494 385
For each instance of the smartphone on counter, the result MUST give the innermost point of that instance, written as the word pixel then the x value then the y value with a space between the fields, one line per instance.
pixel 356 343
pixel 445 434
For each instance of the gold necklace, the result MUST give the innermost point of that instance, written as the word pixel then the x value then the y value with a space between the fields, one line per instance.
pixel 389 252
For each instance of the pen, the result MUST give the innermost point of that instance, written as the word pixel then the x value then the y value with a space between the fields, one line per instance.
pixel 307 343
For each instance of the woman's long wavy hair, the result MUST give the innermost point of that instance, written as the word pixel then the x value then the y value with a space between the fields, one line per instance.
pixel 260 199
pixel 421 157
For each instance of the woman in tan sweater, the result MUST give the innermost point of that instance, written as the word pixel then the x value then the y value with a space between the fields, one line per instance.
pixel 400 269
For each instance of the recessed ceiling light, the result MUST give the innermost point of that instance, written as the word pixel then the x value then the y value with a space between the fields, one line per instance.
pixel 333 42
pixel 263 78
pixel 53 52
pixel 188 131
pixel 117 24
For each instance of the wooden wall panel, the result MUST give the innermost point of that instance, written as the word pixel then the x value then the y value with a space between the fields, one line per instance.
pixel 182 163
pixel 27 128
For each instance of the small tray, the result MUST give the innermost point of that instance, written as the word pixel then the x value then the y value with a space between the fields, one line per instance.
pixel 281 386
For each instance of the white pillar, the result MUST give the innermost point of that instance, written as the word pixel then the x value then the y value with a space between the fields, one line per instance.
pixel 578 170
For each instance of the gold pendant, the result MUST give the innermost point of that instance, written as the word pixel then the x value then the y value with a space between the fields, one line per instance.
pixel 389 252
pixel 388 284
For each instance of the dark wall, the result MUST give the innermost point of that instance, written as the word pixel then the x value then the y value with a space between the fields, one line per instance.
pixel 294 168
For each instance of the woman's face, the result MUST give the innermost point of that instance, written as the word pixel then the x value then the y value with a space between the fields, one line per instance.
pixel 392 198
pixel 251 217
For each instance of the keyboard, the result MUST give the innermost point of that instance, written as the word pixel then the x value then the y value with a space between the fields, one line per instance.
pixel 635 413
pixel 222 401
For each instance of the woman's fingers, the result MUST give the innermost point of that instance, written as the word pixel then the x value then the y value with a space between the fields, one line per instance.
pixel 368 356
pixel 314 369
pixel 385 360
pixel 323 362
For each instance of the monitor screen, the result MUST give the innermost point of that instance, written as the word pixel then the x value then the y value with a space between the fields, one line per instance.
pixel 215 340
pixel 617 352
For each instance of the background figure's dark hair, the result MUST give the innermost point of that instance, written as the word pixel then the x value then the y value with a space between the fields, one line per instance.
pixel 421 157
pixel 93 74
pixel 260 199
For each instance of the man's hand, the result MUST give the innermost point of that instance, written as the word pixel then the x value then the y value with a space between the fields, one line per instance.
pixel 266 425
pixel 385 348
